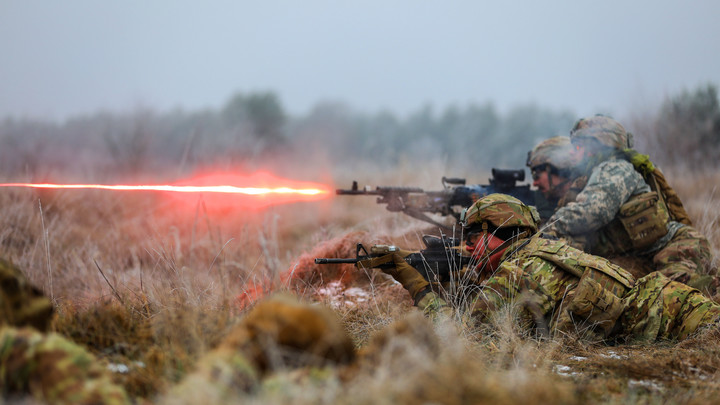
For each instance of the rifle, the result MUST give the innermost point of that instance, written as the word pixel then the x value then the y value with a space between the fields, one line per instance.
pixel 435 263
pixel 454 196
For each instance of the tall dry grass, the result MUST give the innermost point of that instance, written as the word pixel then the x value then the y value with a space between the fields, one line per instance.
pixel 150 288
pixel 699 191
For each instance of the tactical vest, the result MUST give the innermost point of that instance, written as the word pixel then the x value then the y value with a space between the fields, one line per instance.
pixel 595 304
pixel 656 179
pixel 639 223
pixel 642 220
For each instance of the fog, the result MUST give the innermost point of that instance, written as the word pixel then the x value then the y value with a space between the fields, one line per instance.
pixel 74 57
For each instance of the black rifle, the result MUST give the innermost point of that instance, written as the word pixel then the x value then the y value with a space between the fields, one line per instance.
pixel 454 196
pixel 435 263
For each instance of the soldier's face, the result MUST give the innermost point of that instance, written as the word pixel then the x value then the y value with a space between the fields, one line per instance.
pixel 541 180
pixel 551 185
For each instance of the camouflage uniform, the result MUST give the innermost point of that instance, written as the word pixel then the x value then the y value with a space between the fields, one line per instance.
pixel 653 308
pixel 46 367
pixel 50 368
pixel 588 216
pixel 562 289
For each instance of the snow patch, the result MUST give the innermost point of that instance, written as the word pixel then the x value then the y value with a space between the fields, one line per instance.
pixel 118 368
pixel 651 385
pixel 564 371
pixel 613 355
pixel 340 296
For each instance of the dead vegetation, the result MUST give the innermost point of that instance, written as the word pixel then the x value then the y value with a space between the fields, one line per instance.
pixel 150 288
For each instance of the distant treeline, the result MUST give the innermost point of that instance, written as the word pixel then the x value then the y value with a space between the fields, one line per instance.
pixel 251 129
pixel 685 131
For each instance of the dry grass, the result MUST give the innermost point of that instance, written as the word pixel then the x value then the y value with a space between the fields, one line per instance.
pixel 150 288
pixel 700 193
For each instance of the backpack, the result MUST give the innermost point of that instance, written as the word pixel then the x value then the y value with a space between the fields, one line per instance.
pixel 657 181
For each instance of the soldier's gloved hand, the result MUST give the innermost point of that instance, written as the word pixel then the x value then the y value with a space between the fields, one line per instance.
pixel 408 276
pixel 381 256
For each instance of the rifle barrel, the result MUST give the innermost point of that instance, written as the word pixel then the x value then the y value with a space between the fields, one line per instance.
pixel 356 192
pixel 334 261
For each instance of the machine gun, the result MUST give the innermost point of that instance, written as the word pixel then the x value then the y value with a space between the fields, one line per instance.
pixel 435 263
pixel 454 196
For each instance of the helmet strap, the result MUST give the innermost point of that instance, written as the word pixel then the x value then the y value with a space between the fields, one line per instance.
pixel 555 186
pixel 485 237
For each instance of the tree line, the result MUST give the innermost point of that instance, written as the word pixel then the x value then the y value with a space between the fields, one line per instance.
pixel 253 128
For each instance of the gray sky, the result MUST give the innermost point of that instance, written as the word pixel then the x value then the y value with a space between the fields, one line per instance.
pixel 61 58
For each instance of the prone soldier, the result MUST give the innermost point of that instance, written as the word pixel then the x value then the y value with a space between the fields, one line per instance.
pixel 559 288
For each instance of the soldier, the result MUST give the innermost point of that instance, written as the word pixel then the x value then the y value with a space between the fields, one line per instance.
pixel 551 164
pixel 559 288
pixel 620 205
pixel 44 366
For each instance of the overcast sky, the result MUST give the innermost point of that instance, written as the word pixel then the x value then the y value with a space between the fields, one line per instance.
pixel 61 58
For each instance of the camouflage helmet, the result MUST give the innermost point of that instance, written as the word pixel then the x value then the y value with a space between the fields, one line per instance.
pixel 556 151
pixel 501 211
pixel 604 129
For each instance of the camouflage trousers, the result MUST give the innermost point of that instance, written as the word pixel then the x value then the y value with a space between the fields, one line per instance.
pixel 687 259
pixel 658 308
pixel 50 368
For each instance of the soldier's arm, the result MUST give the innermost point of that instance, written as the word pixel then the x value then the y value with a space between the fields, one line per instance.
pixel 498 291
pixel 494 293
pixel 610 185
pixel 434 306
pixel 508 286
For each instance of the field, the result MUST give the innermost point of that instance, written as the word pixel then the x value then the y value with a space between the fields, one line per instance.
pixel 150 286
